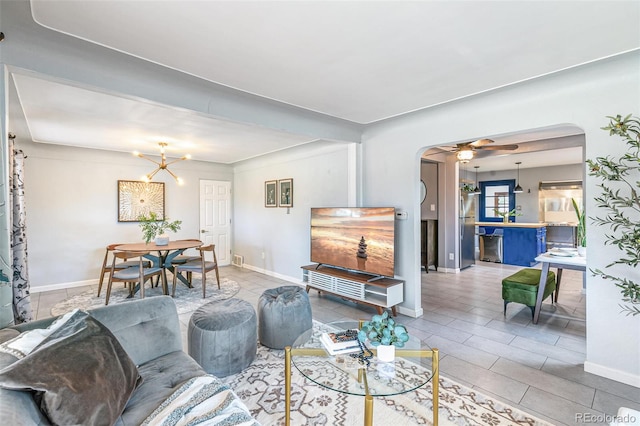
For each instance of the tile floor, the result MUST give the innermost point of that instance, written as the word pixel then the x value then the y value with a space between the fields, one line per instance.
pixel 537 368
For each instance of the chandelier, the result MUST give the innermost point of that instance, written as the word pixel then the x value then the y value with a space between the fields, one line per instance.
pixel 162 165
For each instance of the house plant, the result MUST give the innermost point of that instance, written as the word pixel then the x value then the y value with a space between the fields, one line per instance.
pixel 384 333
pixel 619 199
pixel 581 230
pixel 152 227
pixel 506 215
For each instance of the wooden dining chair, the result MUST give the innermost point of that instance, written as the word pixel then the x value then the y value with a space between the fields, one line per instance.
pixel 184 258
pixel 202 266
pixel 106 265
pixel 134 274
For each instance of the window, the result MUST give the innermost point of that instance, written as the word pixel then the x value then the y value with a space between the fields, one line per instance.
pixel 496 196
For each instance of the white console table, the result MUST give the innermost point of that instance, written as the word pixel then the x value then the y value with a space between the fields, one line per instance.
pixel 380 293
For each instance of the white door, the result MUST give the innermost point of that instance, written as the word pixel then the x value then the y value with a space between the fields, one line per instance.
pixel 215 217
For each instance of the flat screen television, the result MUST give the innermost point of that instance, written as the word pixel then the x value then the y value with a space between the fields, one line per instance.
pixel 355 238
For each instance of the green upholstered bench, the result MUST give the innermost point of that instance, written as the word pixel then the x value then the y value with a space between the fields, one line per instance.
pixel 522 287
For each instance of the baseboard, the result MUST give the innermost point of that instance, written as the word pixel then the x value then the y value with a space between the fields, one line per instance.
pixel 447 270
pixel 62 286
pixel 413 313
pixel 274 274
pixel 612 373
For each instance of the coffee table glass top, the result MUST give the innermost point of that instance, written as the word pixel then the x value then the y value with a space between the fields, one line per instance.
pixel 344 373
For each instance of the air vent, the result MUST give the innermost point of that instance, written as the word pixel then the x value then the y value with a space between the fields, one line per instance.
pixel 238 260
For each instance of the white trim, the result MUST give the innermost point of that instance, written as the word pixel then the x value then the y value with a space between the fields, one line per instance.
pixel 63 286
pixel 275 274
pixel 611 373
pixel 410 312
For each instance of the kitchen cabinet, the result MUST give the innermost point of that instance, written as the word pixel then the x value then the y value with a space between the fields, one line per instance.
pixel 521 242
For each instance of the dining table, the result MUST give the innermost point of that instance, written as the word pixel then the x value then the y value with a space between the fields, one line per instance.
pixel 166 253
pixel 559 259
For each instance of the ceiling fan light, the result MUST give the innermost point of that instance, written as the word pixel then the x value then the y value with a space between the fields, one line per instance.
pixel 464 155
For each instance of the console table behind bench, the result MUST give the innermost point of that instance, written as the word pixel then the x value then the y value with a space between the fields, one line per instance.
pixel 381 293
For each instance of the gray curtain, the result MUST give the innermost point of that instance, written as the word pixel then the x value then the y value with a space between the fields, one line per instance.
pixel 20 282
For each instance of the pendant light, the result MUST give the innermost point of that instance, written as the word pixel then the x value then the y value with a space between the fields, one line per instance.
pixel 476 190
pixel 518 188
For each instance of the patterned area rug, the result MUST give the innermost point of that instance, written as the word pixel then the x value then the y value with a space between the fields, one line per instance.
pixel 261 387
pixel 187 299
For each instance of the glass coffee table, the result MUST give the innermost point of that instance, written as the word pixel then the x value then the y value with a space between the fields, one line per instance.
pixel 415 365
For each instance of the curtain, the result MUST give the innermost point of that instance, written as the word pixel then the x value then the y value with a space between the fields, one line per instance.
pixel 20 283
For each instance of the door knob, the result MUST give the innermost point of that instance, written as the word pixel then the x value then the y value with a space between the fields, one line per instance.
pixel 202 231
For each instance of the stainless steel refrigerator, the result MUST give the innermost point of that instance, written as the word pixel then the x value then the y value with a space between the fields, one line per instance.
pixel 467 221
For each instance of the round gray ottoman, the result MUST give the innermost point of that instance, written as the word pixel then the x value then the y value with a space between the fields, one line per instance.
pixel 223 337
pixel 284 314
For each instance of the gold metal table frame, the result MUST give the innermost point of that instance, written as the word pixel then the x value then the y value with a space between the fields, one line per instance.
pixel 362 378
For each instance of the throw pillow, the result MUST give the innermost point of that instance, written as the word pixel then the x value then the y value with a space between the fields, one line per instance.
pixel 80 374
pixel 24 343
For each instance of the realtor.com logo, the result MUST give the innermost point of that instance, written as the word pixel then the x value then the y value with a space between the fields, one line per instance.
pixel 605 418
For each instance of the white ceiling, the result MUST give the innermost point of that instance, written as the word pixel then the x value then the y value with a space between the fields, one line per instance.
pixel 358 61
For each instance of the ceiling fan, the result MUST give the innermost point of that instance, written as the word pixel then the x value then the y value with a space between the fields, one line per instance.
pixel 465 151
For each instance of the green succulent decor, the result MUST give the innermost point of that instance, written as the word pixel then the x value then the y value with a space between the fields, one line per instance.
pixel 152 226
pixel 383 330
pixel 619 198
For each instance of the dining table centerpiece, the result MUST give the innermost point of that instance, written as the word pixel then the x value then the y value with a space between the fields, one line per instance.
pixel 385 334
pixel 154 228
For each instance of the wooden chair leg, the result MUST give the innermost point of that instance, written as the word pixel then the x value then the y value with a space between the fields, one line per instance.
pixel 217 277
pixel 204 284
pixel 173 290
pixel 165 287
pixel 101 280
pixel 559 277
pixel 106 302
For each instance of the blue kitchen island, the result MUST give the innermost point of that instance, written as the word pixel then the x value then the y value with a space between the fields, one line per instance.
pixel 521 242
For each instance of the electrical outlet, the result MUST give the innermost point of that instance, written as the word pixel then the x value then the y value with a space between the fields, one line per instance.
pixel 451 256
pixel 263 255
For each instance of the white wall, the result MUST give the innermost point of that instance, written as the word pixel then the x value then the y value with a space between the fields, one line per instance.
pixel 582 97
pixel 71 198
pixel 320 179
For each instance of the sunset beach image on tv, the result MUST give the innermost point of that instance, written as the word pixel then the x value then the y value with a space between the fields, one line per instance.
pixel 359 238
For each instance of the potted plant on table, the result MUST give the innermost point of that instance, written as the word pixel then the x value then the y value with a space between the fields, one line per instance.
pixel 153 227
pixel 506 215
pixel 385 334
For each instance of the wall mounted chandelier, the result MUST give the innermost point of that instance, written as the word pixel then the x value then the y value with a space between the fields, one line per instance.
pixel 162 165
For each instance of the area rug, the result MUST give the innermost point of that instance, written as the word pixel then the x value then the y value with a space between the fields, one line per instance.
pixel 187 299
pixel 261 387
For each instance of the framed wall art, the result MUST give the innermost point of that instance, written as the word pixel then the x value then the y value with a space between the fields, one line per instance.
pixel 137 198
pixel 285 192
pixel 271 193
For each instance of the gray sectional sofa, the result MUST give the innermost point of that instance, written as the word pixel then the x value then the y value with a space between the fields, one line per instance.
pixel 149 331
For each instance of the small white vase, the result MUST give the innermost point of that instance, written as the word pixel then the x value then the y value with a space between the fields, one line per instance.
pixel 162 240
pixel 386 353
pixel 582 251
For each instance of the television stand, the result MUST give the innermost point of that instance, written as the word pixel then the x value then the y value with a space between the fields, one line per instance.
pixel 379 292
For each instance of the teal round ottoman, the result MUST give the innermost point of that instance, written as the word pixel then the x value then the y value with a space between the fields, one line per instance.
pixel 284 314
pixel 222 336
